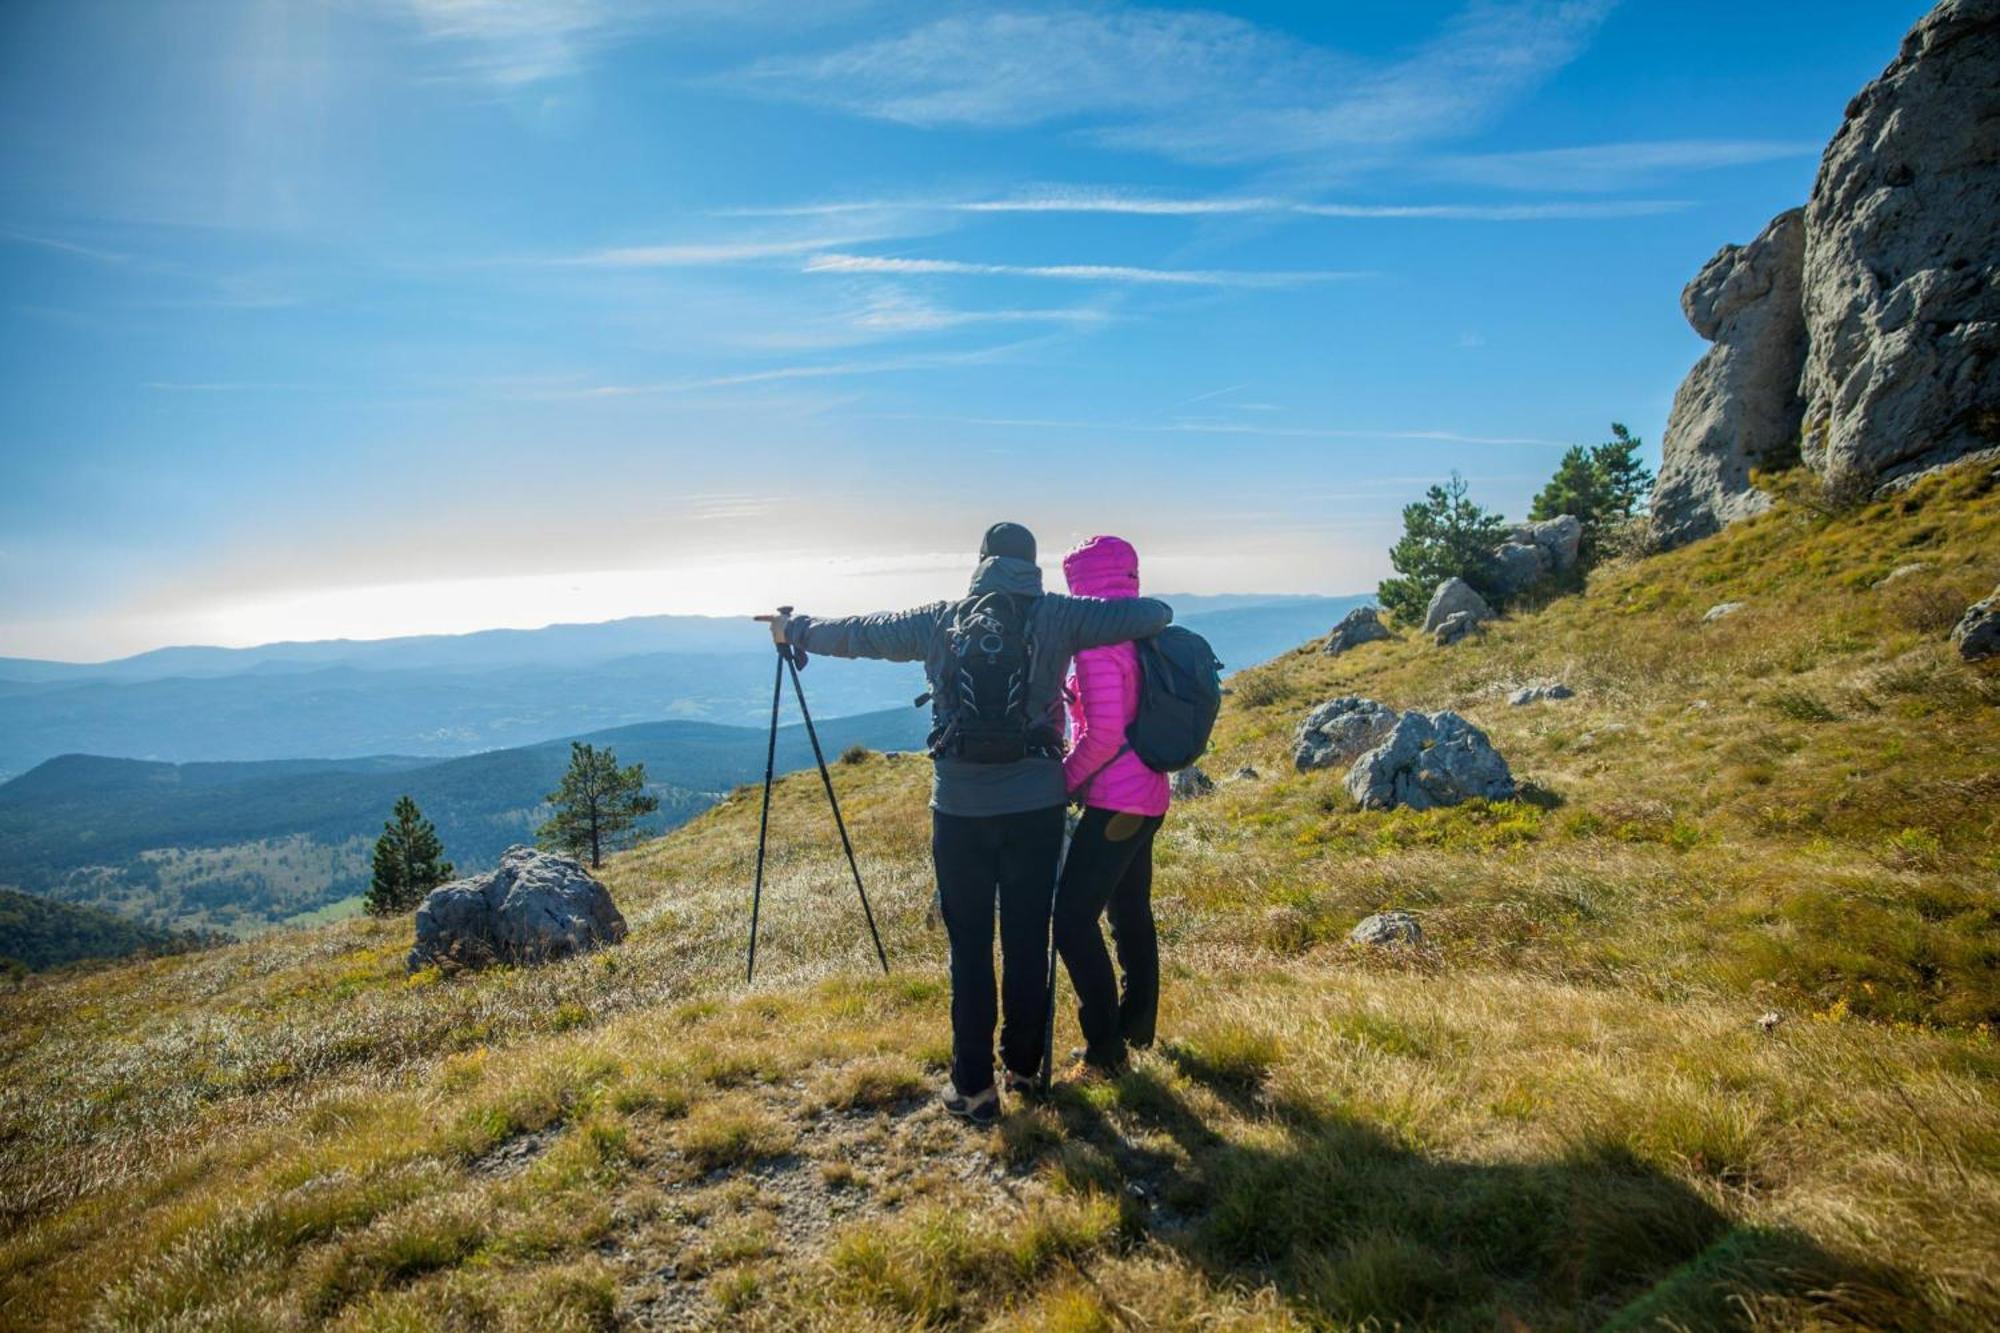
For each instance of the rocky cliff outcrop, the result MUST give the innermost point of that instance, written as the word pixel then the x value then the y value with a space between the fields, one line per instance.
pixel 1864 328
pixel 1739 407
pixel 1902 265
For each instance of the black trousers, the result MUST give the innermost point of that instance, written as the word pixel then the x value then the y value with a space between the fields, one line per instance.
pixel 1110 872
pixel 1011 860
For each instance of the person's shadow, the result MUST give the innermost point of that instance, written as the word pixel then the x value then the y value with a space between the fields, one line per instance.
pixel 1353 1228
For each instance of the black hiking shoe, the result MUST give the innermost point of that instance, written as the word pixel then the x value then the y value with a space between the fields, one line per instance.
pixel 981 1110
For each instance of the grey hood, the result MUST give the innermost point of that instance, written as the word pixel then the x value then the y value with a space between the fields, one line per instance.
pixel 1005 573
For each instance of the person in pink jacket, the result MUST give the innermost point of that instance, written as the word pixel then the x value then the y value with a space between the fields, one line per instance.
pixel 1109 870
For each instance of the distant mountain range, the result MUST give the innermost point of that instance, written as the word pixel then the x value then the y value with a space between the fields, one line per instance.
pixel 438 695
pixel 239 846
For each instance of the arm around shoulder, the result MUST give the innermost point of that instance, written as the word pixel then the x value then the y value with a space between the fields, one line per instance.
pixel 1093 622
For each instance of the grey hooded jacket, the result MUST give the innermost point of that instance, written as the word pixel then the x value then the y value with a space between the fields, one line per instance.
pixel 1061 627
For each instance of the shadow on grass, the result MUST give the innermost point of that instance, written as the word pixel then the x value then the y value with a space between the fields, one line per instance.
pixel 1354 1228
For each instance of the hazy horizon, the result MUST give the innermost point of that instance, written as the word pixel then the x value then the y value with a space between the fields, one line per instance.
pixel 428 316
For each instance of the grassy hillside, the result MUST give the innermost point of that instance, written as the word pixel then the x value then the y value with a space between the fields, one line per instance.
pixel 1563 1113
pixel 241 846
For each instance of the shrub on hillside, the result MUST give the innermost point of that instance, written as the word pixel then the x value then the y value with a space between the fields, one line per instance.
pixel 1445 536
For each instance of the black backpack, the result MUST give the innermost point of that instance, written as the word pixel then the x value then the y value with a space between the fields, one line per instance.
pixel 981 713
pixel 1180 693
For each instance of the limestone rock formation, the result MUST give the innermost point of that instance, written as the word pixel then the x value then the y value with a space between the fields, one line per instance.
pixel 1740 405
pixel 1902 260
pixel 1453 596
pixel 1386 928
pixel 1865 327
pixel 1361 625
pixel 1430 760
pixel 534 906
pixel 1340 730
pixel 1978 631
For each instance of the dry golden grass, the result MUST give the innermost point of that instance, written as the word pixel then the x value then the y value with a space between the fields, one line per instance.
pixel 1562 1113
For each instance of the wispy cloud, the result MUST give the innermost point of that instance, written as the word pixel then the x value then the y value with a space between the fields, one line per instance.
pixel 1117 273
pixel 1613 166
pixel 1188 84
pixel 1206 427
pixel 699 254
pixel 514 44
pixel 898 312
pixel 62 246
pixel 778 374
pixel 1110 201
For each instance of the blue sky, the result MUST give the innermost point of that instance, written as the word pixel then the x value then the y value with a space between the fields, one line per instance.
pixel 382 316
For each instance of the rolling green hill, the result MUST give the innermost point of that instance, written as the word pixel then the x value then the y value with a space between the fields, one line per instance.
pixel 37 933
pixel 1702 1036
pixel 242 846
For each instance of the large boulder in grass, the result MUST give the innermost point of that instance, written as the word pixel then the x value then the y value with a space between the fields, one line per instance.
pixel 1901 286
pixel 1340 731
pixel 533 907
pixel 1453 597
pixel 1430 760
pixel 1978 631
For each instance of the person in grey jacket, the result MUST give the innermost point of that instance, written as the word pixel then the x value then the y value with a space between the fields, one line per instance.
pixel 996 827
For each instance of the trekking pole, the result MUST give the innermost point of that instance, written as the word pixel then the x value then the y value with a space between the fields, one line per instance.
pixel 1049 1019
pixel 764 820
pixel 826 778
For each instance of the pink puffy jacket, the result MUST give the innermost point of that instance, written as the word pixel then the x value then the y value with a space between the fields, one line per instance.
pixel 1104 693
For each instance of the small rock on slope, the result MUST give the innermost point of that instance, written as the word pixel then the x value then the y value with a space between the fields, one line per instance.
pixel 1534 694
pixel 1722 611
pixel 1978 631
pixel 1191 781
pixel 1361 625
pixel 1387 928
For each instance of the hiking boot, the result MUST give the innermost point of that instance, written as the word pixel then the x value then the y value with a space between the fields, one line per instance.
pixel 981 1109
pixel 1025 1086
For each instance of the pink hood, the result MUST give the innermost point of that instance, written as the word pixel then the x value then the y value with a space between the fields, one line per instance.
pixel 1103 567
pixel 1104 693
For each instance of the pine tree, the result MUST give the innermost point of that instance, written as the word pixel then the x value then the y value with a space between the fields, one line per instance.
pixel 1627 482
pixel 1445 535
pixel 596 805
pixel 1601 486
pixel 409 862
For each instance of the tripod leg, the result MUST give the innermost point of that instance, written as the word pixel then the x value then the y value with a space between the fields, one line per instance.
pixel 764 820
pixel 826 778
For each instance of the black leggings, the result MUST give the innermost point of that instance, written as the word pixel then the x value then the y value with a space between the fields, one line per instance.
pixel 1110 871
pixel 1012 858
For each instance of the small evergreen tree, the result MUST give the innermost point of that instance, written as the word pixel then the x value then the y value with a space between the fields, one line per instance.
pixel 1627 481
pixel 1602 486
pixel 596 805
pixel 409 862
pixel 1445 535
